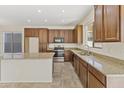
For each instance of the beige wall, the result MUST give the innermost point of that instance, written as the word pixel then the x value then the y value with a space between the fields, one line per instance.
pixel 115 49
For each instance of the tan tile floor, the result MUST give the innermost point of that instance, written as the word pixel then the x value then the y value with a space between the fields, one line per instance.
pixel 63 77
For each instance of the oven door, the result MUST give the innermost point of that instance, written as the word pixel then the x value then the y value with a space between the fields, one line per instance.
pixel 59 53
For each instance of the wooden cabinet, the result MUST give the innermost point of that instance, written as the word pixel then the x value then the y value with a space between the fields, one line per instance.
pixel 98 24
pixel 95 78
pixel 31 32
pixel 43 47
pixel 67 34
pixel 88 75
pixel 107 23
pixel 93 82
pixel 76 64
pixel 111 23
pixel 83 73
pixel 78 34
pixel 43 40
pixel 51 36
pixel 43 35
pixel 68 56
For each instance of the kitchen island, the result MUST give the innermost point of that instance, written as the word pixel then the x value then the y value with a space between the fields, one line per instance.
pixel 27 68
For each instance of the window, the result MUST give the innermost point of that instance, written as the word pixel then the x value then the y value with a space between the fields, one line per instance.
pixel 88 29
pixel 12 42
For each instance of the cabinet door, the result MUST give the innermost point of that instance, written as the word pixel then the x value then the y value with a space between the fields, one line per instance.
pixel 35 32
pixel 98 24
pixel 51 36
pixel 43 35
pixel 76 65
pixel 111 23
pixel 43 47
pixel 93 82
pixel 66 56
pixel 66 34
pixel 70 36
pixel 75 62
pixel 83 75
pixel 28 32
pixel 61 33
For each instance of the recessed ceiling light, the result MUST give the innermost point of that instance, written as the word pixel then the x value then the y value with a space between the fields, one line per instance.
pixel 39 11
pixel 29 21
pixel 63 11
pixel 45 20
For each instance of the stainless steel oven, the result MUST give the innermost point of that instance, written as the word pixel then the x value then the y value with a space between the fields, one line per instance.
pixel 59 54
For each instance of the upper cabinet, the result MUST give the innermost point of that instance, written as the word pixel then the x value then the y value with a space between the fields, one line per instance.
pixel 67 34
pixel 43 35
pixel 107 23
pixel 98 24
pixel 112 23
pixel 78 34
pixel 31 32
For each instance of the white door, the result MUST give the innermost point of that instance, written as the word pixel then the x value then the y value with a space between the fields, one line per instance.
pixel 33 45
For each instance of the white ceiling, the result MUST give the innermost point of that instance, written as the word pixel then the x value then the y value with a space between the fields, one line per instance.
pixel 50 15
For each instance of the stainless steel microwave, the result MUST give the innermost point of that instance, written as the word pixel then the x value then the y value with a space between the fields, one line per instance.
pixel 58 40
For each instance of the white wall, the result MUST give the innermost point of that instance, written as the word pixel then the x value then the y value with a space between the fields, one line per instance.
pixel 115 49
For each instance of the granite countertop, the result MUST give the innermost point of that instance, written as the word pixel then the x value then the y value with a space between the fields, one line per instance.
pixel 47 55
pixel 107 66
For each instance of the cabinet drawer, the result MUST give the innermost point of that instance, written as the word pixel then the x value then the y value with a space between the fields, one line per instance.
pixel 101 77
pixel 83 62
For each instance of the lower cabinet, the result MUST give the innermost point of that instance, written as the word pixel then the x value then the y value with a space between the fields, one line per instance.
pixel 93 82
pixel 88 75
pixel 83 75
pixel 76 64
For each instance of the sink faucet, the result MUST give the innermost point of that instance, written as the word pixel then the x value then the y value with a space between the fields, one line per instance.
pixel 88 48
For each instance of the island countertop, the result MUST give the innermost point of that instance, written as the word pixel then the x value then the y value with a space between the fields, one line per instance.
pixel 46 55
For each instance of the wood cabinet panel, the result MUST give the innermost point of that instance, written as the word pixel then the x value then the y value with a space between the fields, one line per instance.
pixel 35 32
pixel 43 47
pixel 43 35
pixel 98 24
pixel 67 55
pixel 83 74
pixel 93 82
pixel 51 36
pixel 67 34
pixel 88 75
pixel 107 23
pixel 78 34
pixel 31 32
pixel 76 64
pixel 28 32
pixel 111 23
pixel 97 74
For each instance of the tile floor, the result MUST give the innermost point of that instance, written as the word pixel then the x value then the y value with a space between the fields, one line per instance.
pixel 63 77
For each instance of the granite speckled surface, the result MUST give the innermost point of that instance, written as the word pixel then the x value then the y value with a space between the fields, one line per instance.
pixel 47 55
pixel 108 66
